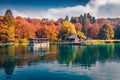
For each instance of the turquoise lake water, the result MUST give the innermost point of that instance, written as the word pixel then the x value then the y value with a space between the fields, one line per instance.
pixel 60 62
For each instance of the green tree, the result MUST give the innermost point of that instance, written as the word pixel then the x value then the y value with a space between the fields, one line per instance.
pixel 84 28
pixel 67 18
pixel 93 20
pixel 106 32
pixel 8 18
pixel 117 31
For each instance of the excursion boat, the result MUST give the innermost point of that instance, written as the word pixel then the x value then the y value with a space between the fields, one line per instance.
pixel 39 42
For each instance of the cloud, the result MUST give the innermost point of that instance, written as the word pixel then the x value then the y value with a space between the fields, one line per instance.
pixel 109 10
pixel 105 8
pixel 97 8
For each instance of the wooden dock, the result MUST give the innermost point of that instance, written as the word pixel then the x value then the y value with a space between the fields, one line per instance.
pixel 70 43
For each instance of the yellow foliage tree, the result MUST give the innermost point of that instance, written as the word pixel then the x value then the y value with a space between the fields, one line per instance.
pixel 8 28
pixel 66 30
pixel 52 33
pixel 106 32
pixel 4 33
pixel 81 34
pixel 11 33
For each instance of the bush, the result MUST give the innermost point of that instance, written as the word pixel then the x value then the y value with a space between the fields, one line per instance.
pixel 24 40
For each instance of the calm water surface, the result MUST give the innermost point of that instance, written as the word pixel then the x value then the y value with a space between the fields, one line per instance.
pixel 60 62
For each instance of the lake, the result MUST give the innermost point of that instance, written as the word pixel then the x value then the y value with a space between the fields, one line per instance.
pixel 60 62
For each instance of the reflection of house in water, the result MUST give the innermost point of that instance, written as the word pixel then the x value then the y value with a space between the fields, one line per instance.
pixel 35 44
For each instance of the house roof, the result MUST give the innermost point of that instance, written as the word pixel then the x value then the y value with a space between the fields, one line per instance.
pixel 74 36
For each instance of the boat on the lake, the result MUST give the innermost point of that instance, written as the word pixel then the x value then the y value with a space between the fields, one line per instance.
pixel 39 42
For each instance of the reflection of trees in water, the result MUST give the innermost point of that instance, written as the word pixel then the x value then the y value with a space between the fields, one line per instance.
pixel 10 57
pixel 117 51
pixel 77 55
pixel 66 54
pixel 84 56
pixel 52 54
pixel 22 53
pixel 15 55
pixel 87 56
pixel 9 63
pixel 105 52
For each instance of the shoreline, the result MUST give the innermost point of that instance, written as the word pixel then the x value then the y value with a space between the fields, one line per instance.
pixel 101 41
pixel 88 42
pixel 5 44
pixel 71 43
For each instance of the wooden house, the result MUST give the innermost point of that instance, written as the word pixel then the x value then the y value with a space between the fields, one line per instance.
pixel 74 38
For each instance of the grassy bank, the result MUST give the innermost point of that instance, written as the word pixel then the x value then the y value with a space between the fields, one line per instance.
pixel 5 44
pixel 101 41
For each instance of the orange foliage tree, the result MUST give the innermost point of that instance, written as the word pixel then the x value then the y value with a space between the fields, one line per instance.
pixel 78 26
pixel 94 30
pixel 48 31
pixel 23 29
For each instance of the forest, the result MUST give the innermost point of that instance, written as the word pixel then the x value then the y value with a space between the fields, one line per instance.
pixel 20 29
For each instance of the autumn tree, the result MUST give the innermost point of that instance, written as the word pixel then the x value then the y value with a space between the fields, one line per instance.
pixel 66 30
pixel 85 20
pixel 48 31
pixel 93 31
pixel 7 32
pixel 4 33
pixel 3 30
pixel 35 23
pixel 58 24
pixel 23 29
pixel 106 32
pixel 78 26
pixel 79 32
pixel 81 35
pixel 52 36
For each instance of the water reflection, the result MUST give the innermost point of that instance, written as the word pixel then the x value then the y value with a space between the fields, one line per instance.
pixel 87 56
pixel 69 55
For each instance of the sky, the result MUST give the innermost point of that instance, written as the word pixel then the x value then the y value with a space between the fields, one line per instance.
pixel 55 9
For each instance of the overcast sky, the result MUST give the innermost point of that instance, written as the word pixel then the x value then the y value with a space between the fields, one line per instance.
pixel 54 9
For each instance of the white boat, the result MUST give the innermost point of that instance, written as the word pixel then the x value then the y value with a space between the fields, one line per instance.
pixel 39 42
